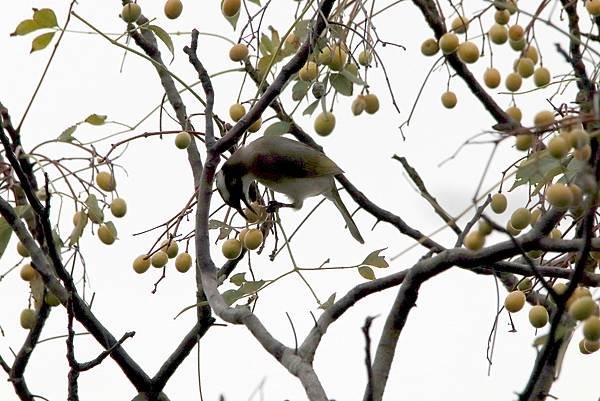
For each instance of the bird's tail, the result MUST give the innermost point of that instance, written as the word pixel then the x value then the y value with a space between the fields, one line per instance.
pixel 334 196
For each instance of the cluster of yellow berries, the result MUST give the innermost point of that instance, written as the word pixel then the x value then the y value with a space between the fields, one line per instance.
pixel 248 238
pixel 118 208
pixel 169 249
pixel 131 12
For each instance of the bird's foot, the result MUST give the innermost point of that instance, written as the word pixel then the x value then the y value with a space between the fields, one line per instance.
pixel 274 206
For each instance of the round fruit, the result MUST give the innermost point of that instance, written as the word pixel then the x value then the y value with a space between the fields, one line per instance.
pixel 498 203
pixel 502 17
pixel 255 126
pixel 28 273
pixel 516 33
pixel 159 259
pixel 534 254
pixel 448 43
pixel 358 105
pixel 118 207
pixel 231 248
pixel 468 52
pixel 238 52
pixel 318 90
pixel 460 24
pixel 491 78
pixel 324 56
pixel 183 140
pixel 591 328
pixel 525 67
pixel 513 82
pixel 578 138
pixel 558 147
pixel 106 181
pixel 559 195
pixel 324 123
pixel 580 292
pixel 141 264
pixel 523 141
pixel 338 58
pixel 365 58
pixel 582 308
pixel 514 301
pixel 253 239
pixel 474 241
pixel 183 262
pixel 520 218
pixel 538 316
pixel 292 41
pixel 231 7
pixel 559 288
pixel 498 34
pixel 21 250
pixel 371 103
pixel 583 154
pixel 131 12
pixel 237 111
pixel 543 118
pixel 577 194
pixel 517 45
pixel 555 234
pixel 591 346
pixel 515 113
pixel 27 318
pixel 582 348
pixel 173 8
pixel 535 216
pixel 449 99
pixel 105 235
pixel 242 235
pixel 593 7
pixel 484 228
pixel 532 54
pixel 511 230
pixel 309 71
pixel 429 47
pixel 51 299
pixel 525 285
pixel 172 249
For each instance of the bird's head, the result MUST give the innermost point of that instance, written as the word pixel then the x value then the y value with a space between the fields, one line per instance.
pixel 231 189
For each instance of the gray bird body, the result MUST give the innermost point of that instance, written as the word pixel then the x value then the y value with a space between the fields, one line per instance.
pixel 285 166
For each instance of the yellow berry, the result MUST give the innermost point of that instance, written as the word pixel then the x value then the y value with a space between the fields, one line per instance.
pixel 449 99
pixel 51 299
pixel 502 17
pixel 559 195
pixel 541 77
pixel 253 239
pixel 511 230
pixel 141 264
pixel 520 218
pixel 21 250
pixel 238 52
pixel 106 181
pixel 118 207
pixel 371 103
pixel 578 138
pixel 577 194
pixel 484 228
pixel 131 12
pixel 582 348
pixel 159 259
pixel 514 301
pixel 491 78
pixel 183 262
pixel 429 47
pixel 532 54
pixel 359 105
pixel 237 111
pixel 338 58
pixel 523 141
pixel 538 316
pixel 591 346
pixel 582 308
pixel 183 140
pixel 324 123
pixel 460 24
pixel 558 147
pixel 28 273
pixel 516 33
pixel 230 7
pixel 555 234
pixel 27 318
pixel 231 248
pixel 543 118
pixel 171 249
pixel 468 52
pixel 583 154
pixel 498 34
pixel 498 203
pixel 324 56
pixel 105 235
pixel 448 43
pixel 535 216
pixel 255 126
pixel 474 241
pixel 292 41
pixel 525 67
pixel 525 285
pixel 309 71
pixel 173 8
pixel 365 58
pixel 559 288
pixel 513 82
pixel 517 45
pixel 593 7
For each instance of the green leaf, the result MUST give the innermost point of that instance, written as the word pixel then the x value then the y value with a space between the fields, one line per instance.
pixel 164 37
pixel 58 243
pixel 533 170
pixel 375 260
pixel 257 2
pixel 45 18
pixel 77 231
pixel 40 42
pixel 299 90
pixel 94 212
pixel 238 279
pixel 353 78
pixel 341 84
pixel 301 29
pixel 327 304
pixel 278 128
pixel 5 233
pixel 250 287
pixel 25 27
pixel 214 224
pixel 275 38
pixel 111 228
pixel 95 119
pixel 265 45
pixel 224 232
pixel 230 296
pixel 366 272
pixel 311 108
pixel 67 135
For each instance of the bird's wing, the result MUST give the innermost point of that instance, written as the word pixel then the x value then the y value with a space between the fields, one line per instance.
pixel 274 156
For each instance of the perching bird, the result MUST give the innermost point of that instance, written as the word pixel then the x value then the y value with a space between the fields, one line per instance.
pixel 285 166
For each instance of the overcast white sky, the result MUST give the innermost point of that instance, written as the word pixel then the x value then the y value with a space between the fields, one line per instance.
pixel 442 351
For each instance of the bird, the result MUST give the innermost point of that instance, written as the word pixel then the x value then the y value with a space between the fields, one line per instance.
pixel 285 166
